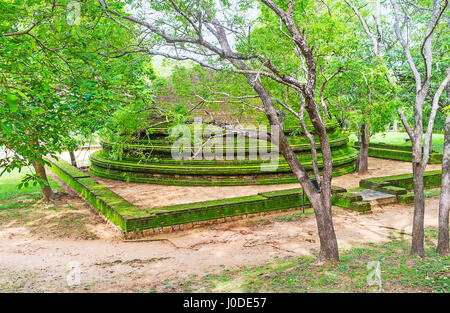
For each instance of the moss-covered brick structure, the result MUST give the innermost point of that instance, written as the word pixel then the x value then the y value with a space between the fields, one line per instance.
pixel 135 221
pixel 402 185
pixel 149 160
pixel 396 152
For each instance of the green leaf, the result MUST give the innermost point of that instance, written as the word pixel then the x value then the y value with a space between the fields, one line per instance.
pixel 11 100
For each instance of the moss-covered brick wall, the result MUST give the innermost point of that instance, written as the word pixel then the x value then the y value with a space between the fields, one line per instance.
pixel 350 201
pixel 133 219
pixel 148 159
pixel 407 198
pixel 173 172
pixel 112 206
pixel 397 152
pixel 400 184
pixel 217 209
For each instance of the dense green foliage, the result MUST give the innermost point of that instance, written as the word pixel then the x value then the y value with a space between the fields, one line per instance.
pixel 70 70
pixel 57 86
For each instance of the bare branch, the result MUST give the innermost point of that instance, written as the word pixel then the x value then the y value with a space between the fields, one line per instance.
pixel 406 124
pixel 425 49
pixel 405 46
pixel 23 32
pixel 376 40
pixel 322 89
pixel 434 108
pixel 312 142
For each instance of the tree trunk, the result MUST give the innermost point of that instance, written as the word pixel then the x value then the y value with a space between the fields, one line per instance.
pixel 417 246
pixel 363 158
pixel 47 192
pixel 444 204
pixel 431 144
pixel 73 160
pixel 321 202
pixel 322 207
pixel 395 126
pixel 418 165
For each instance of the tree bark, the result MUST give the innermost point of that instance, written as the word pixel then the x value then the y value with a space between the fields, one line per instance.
pixel 431 144
pixel 363 158
pixel 322 208
pixel 311 142
pixel 417 245
pixel 47 191
pixel 73 160
pixel 321 202
pixel 444 203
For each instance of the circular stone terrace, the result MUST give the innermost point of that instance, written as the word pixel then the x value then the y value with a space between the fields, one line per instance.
pixel 149 160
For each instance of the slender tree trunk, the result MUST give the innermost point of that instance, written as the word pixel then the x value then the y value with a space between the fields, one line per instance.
pixel 431 144
pixel 327 235
pixel 73 160
pixel 311 142
pixel 363 158
pixel 444 204
pixel 321 202
pixel 417 245
pixel 46 189
pixel 418 166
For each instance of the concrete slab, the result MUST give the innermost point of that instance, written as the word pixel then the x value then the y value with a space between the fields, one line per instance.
pixel 369 194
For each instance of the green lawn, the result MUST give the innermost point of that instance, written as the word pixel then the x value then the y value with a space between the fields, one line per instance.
pixel 9 182
pixel 400 272
pixel 398 139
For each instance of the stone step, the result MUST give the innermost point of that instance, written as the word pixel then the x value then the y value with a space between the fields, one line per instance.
pixel 371 195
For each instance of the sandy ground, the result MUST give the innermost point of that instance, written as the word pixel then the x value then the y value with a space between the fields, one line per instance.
pixel 148 196
pixel 31 261
pixel 379 168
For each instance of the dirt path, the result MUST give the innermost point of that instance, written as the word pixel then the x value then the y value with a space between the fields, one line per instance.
pixel 29 262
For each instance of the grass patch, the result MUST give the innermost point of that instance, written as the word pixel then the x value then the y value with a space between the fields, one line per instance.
pixel 21 208
pixel 432 193
pixel 400 272
pixel 398 138
pixel 292 217
pixel 9 182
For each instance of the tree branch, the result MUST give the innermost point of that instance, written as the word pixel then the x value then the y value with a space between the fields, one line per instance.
pixel 434 108
pixel 405 46
pixel 406 124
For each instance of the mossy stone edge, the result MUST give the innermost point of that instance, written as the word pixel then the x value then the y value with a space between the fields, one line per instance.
pixel 132 219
